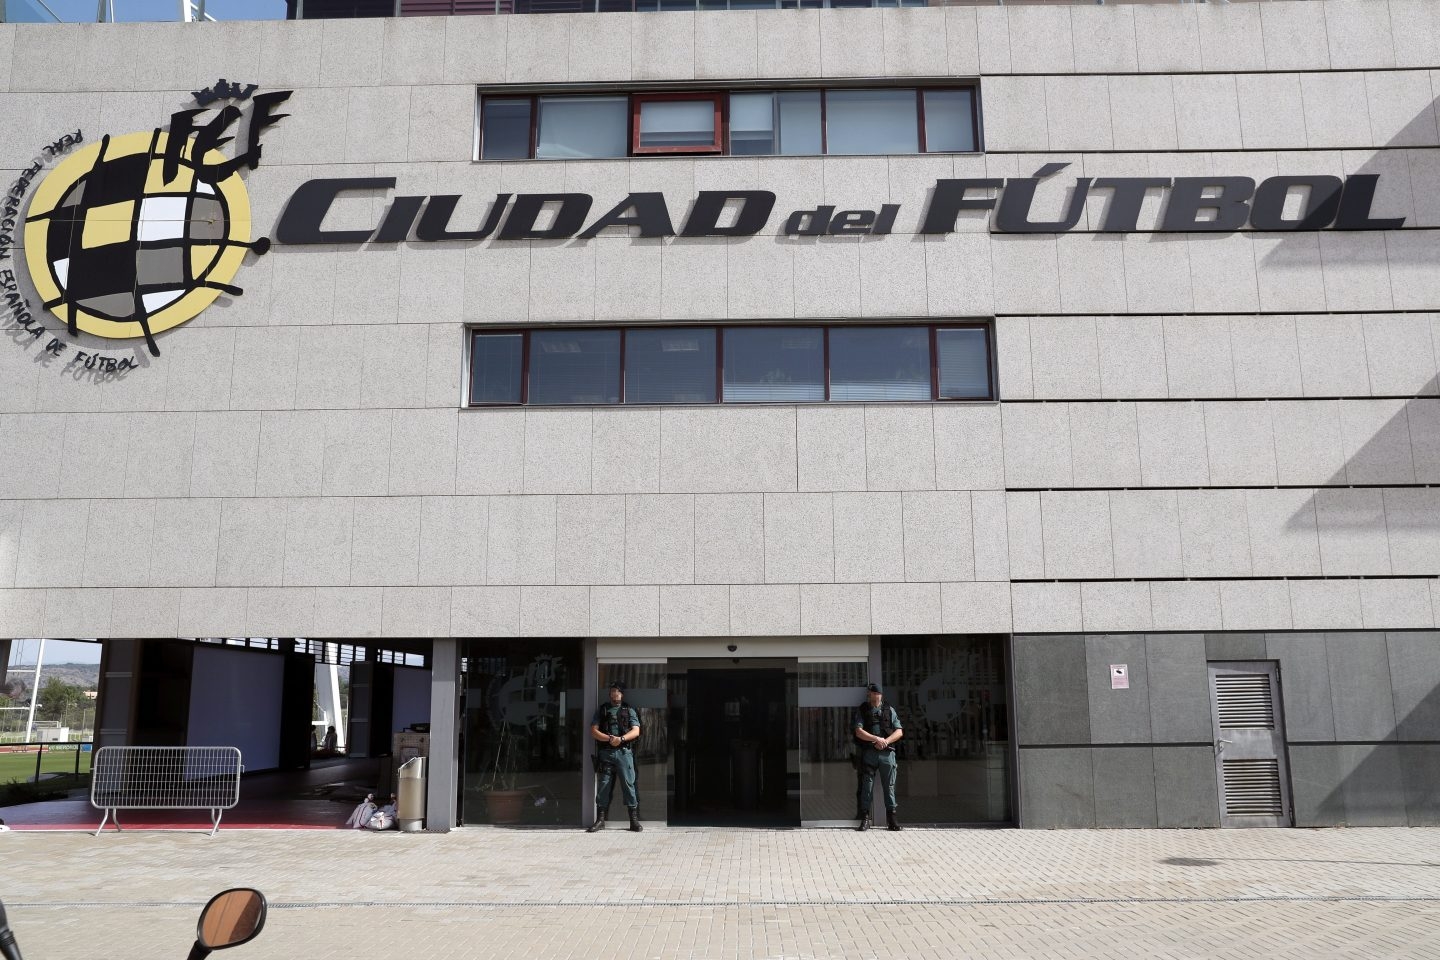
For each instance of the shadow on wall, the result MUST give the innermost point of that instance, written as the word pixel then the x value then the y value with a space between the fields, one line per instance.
pixel 1382 766
pixel 1394 441
pixel 1400 449
pixel 1362 722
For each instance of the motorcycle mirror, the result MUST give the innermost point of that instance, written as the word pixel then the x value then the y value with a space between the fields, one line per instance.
pixel 232 917
pixel 9 949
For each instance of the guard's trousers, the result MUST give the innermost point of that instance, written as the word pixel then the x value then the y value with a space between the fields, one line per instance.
pixel 616 763
pixel 874 761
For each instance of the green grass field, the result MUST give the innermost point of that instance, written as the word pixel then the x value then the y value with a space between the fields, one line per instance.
pixel 21 766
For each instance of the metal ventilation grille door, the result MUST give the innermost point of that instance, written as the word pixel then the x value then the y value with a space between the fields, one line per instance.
pixel 1244 701
pixel 1252 788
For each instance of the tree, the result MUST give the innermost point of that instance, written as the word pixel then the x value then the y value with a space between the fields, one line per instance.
pixel 56 697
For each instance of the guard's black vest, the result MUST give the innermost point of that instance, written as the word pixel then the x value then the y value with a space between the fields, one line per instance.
pixel 879 721
pixel 615 719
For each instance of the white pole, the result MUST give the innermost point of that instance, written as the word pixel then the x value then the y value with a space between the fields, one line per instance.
pixel 34 691
pixel 327 693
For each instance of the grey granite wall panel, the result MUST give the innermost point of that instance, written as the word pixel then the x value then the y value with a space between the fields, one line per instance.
pixel 1179 685
pixel 1235 646
pixel 1415 673
pixel 1315 785
pixel 1360 686
pixel 1185 791
pixel 1124 787
pixel 1050 686
pixel 1420 772
pixel 1057 788
pixel 1304 685
pixel 1118 716
pixel 1371 785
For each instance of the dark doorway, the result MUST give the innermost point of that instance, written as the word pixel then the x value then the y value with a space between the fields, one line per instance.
pixel 729 732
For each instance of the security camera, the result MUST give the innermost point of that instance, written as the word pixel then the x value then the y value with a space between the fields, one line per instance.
pixel 731 647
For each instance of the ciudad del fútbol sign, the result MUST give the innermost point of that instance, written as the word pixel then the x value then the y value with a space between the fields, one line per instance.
pixel 133 235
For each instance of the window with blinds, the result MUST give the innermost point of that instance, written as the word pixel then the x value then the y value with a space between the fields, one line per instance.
pixel 774 363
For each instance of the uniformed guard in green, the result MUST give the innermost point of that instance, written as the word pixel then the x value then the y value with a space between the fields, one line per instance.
pixel 615 728
pixel 877 727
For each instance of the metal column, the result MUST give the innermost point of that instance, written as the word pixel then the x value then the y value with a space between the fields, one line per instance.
pixel 442 791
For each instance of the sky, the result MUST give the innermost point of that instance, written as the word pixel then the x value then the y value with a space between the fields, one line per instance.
pixel 22 652
pixel 84 10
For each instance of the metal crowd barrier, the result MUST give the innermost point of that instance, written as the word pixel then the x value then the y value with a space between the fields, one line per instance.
pixel 165 778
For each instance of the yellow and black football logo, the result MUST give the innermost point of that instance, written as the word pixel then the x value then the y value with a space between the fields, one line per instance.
pixel 136 234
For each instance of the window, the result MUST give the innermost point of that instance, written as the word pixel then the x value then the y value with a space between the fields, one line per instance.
pixel 871 121
pixel 506 131
pixel 676 124
pixel 775 363
pixel 880 363
pixel 495 365
pixel 964 363
pixel 574 127
pixel 791 122
pixel 652 6
pixel 949 120
pixel 574 366
pixel 775 123
pixel 670 366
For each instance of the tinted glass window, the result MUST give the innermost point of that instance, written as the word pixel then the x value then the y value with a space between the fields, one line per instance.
pixel 785 364
pixel 799 114
pixel 871 121
pixel 775 123
pixel 880 363
pixel 677 123
pixel 524 731
pixel 949 121
pixel 506 135
pixel 964 364
pixel 583 127
pixel 752 123
pixel 495 368
pixel 952 695
pixel 575 366
pixel 670 366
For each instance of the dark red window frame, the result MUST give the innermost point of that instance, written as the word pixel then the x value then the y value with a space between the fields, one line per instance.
pixel 934 331
pixel 717 140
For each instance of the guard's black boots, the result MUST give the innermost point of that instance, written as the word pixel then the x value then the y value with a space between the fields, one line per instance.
pixel 599 823
pixel 635 820
pixel 865 822
pixel 890 822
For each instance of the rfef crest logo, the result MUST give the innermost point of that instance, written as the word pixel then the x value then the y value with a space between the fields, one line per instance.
pixel 136 234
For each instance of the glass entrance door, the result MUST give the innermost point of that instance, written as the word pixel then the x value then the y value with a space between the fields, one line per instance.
pixel 732 729
pixel 829 694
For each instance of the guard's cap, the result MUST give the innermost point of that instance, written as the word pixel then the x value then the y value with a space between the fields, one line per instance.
pixel 616 685
pixel 874 688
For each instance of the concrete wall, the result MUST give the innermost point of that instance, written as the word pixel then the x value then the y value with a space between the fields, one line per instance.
pixel 1361 714
pixel 1243 408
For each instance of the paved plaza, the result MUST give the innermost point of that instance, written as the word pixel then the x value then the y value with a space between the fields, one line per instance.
pixel 721 894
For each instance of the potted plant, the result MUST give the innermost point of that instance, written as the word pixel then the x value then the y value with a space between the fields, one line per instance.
pixel 506 804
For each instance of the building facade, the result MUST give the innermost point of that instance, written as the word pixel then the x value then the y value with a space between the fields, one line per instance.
pixel 1069 370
